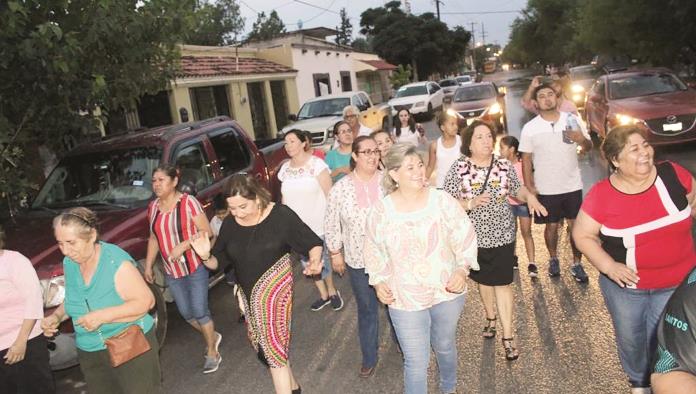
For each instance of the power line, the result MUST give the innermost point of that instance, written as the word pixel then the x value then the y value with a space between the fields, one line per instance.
pixel 248 6
pixel 318 7
pixel 480 12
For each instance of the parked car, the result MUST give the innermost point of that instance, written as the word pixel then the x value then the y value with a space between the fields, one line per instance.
pixel 481 100
pixel 419 97
pixel 581 80
pixel 465 79
pixel 113 177
pixel 655 99
pixel 319 115
pixel 448 87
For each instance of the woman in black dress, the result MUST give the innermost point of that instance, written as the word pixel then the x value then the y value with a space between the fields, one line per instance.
pixel 257 239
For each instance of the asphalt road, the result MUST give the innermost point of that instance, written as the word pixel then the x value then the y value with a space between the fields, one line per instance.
pixel 563 331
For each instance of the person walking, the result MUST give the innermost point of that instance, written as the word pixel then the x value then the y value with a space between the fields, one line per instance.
pixel 257 241
pixel 305 185
pixel 446 150
pixel 105 294
pixel 482 182
pixel 406 130
pixel 565 104
pixel 509 150
pixel 338 159
pixel 548 144
pixel 24 366
pixel 175 218
pixel 635 228
pixel 349 201
pixel 384 141
pixel 419 248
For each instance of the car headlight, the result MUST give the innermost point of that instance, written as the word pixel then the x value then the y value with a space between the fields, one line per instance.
pixel 577 89
pixel 419 104
pixel 53 291
pixel 495 109
pixel 626 119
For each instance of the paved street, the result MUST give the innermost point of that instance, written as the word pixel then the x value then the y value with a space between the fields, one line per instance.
pixel 562 328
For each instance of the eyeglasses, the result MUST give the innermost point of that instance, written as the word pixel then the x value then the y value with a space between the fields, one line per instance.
pixel 351 116
pixel 369 152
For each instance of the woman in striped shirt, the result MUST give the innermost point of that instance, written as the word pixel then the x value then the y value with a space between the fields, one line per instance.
pixel 176 218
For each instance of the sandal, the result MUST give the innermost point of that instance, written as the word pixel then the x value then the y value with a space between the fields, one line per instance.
pixel 489 330
pixel 510 351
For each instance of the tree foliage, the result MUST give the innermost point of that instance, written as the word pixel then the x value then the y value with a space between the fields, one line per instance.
pixel 63 59
pixel 266 27
pixel 658 32
pixel 401 76
pixel 424 42
pixel 216 23
pixel 361 44
pixel 345 29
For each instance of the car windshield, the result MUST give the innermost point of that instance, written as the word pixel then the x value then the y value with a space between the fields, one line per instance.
pixel 406 91
pixel 646 84
pixel 464 79
pixel 447 82
pixel 328 107
pixel 474 93
pixel 581 73
pixel 118 178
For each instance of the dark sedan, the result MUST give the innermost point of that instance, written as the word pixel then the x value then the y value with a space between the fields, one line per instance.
pixel 655 99
pixel 480 100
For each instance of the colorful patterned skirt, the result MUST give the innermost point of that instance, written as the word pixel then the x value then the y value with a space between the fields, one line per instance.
pixel 269 313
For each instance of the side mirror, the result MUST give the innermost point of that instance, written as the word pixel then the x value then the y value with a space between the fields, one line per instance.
pixel 292 117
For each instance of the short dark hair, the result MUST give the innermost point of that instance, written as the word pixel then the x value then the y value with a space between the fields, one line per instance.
pixel 356 147
pixel 512 142
pixel 219 203
pixel 616 140
pixel 468 134
pixel 169 170
pixel 337 125
pixel 248 187
pixel 541 87
pixel 303 136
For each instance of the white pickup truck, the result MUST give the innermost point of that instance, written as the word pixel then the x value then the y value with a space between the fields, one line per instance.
pixel 319 115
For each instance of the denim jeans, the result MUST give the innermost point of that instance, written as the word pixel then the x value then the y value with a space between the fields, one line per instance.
pixel 191 295
pixel 326 267
pixel 417 331
pixel 368 315
pixel 635 314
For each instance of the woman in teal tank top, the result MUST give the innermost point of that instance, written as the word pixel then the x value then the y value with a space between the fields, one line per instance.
pixel 104 294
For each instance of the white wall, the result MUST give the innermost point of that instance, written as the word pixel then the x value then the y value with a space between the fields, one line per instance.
pixel 309 63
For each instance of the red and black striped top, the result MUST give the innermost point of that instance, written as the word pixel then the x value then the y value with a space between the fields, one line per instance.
pixel 173 227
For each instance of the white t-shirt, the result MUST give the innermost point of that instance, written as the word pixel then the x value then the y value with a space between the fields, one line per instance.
pixel 408 136
pixel 445 157
pixel 215 224
pixel 364 130
pixel 556 169
pixel 302 192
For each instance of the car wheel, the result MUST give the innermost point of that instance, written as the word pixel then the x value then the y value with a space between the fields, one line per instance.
pixel 159 314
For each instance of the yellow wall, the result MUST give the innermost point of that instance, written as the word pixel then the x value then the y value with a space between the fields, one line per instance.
pixel 281 55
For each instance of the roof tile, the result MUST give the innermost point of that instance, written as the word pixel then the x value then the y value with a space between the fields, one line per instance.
pixel 208 66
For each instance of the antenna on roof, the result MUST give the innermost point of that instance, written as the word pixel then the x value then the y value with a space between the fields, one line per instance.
pixel 299 24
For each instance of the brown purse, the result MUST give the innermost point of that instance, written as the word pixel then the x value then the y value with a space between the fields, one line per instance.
pixel 126 345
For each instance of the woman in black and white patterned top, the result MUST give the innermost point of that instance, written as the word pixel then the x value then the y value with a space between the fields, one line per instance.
pixel 482 182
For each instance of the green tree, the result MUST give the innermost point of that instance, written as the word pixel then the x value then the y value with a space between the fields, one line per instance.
pixel 266 27
pixel 424 42
pixel 345 30
pixel 61 60
pixel 401 76
pixel 361 44
pixel 216 24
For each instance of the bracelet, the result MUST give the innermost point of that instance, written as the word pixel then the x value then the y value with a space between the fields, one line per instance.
pixel 335 253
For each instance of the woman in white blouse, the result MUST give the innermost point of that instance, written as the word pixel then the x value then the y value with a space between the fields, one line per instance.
pixel 406 130
pixel 419 247
pixel 349 201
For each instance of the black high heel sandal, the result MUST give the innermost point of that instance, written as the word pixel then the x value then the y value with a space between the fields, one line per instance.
pixel 298 390
pixel 511 353
pixel 490 329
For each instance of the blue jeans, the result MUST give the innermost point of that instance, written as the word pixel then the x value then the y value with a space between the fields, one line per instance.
pixel 191 295
pixel 326 269
pixel 417 331
pixel 635 314
pixel 368 315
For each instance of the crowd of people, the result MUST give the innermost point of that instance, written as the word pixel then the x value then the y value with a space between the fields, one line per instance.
pixel 368 208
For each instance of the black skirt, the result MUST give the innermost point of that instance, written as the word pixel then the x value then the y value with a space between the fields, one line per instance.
pixel 496 265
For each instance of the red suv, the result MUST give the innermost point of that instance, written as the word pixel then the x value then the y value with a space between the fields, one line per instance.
pixel 654 99
pixel 113 177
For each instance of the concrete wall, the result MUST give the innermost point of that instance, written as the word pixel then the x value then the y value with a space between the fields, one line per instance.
pixel 308 62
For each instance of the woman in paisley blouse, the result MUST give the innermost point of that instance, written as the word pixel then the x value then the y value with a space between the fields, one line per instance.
pixel 482 181
pixel 419 247
pixel 349 201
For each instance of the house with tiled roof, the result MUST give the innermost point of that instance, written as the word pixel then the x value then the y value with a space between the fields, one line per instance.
pixel 324 67
pixel 212 81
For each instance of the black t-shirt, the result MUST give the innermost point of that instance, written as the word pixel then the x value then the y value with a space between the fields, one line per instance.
pixel 676 332
pixel 252 250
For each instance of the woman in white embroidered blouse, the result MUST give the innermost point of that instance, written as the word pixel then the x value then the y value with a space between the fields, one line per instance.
pixel 349 201
pixel 419 247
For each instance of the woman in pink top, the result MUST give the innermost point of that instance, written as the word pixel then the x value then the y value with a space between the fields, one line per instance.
pixel 24 366
pixel 508 150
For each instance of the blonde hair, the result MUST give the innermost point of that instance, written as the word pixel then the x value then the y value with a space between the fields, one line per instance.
pixel 393 161
pixel 84 220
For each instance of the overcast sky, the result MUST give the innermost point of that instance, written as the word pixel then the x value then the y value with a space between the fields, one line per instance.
pixel 453 12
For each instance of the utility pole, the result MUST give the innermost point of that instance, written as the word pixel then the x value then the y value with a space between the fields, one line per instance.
pixel 473 47
pixel 437 7
pixel 483 34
